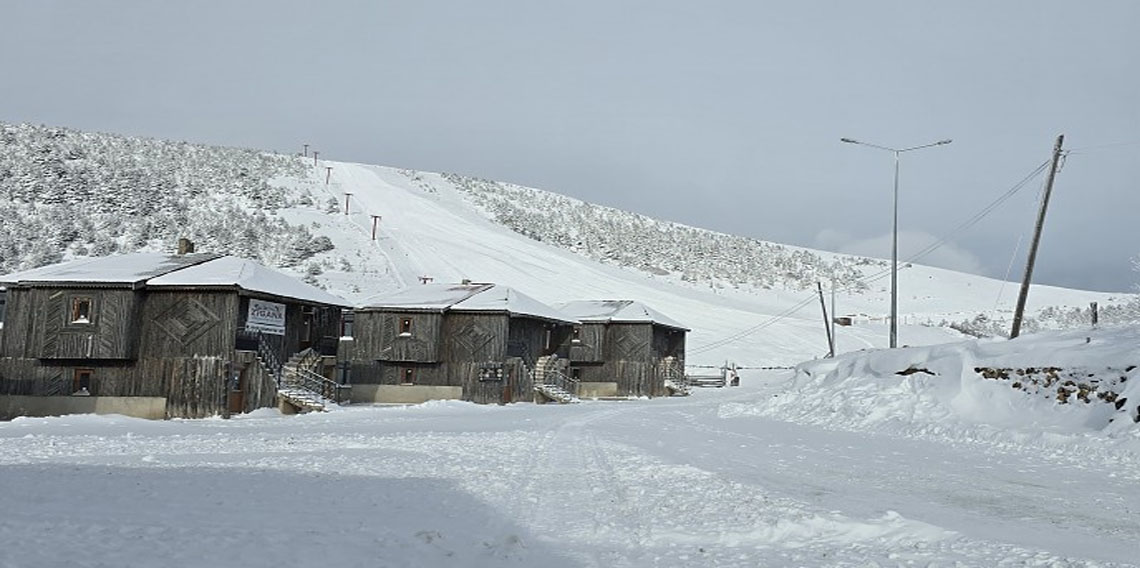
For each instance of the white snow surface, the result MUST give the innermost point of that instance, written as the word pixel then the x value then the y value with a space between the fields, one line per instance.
pixel 468 298
pixel 247 275
pixel 616 311
pixel 117 269
pixel 725 477
pixel 170 271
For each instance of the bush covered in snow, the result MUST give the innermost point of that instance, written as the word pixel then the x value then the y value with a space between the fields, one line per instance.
pixel 70 193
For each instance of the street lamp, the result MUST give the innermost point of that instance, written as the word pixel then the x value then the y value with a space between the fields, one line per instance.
pixel 895 230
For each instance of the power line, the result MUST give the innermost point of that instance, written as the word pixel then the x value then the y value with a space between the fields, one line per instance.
pixel 970 222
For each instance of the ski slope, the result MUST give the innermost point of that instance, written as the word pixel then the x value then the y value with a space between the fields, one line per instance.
pixel 429 229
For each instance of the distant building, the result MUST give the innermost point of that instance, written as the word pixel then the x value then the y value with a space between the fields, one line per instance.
pixel 624 348
pixel 155 335
pixel 475 342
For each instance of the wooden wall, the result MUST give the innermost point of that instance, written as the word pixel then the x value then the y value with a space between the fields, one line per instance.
pixel 626 357
pixel 187 324
pixel 377 336
pixel 305 325
pixel 457 349
pixel 258 386
pixel 194 387
pixel 39 324
pixel 668 342
pixel 590 345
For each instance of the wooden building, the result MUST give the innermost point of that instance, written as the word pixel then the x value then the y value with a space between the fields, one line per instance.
pixel 475 342
pixel 624 348
pixel 155 335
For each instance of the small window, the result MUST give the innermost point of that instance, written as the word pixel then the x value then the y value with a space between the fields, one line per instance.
pixel 408 376
pixel 81 310
pixel 346 321
pixel 3 304
pixel 405 326
pixel 576 373
pixel 576 335
pixel 81 382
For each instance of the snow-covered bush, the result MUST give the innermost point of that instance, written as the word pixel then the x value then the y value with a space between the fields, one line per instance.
pixel 65 192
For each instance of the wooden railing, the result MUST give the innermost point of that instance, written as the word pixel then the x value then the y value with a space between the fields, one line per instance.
pixel 559 380
pixel 307 380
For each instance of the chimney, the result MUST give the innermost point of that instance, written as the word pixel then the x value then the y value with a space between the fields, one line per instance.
pixel 185 246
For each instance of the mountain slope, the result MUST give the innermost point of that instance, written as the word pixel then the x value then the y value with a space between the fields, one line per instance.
pixel 72 193
pixel 431 226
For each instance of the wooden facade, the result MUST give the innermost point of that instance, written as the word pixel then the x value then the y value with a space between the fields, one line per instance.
pixel 636 355
pixel 131 340
pixel 490 354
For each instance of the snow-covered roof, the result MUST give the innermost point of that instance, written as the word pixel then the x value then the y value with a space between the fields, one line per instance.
pixel 616 311
pixel 117 271
pixel 466 298
pixel 156 270
pixel 230 271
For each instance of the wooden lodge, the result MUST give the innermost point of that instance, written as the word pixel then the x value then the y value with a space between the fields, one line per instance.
pixel 624 348
pixel 155 335
pixel 477 342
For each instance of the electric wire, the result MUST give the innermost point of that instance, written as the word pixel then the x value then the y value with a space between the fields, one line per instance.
pixel 970 222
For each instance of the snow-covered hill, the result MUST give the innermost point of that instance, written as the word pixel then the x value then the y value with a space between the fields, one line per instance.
pixel 72 193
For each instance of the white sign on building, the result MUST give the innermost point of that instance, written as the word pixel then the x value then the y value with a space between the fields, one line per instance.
pixel 266 317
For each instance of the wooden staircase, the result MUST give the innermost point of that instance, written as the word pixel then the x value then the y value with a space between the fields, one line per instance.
pixel 552 384
pixel 301 387
pixel 675 380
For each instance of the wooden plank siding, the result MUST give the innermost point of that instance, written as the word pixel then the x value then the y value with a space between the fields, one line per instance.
pixel 43 316
pixel 465 349
pixel 172 343
pixel 589 348
pixel 629 354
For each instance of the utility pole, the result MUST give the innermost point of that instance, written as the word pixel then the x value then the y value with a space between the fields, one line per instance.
pixel 328 174
pixel 375 220
pixel 346 196
pixel 1021 296
pixel 834 338
pixel 826 325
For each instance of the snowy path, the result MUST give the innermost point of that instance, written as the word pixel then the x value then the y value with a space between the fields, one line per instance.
pixel 666 482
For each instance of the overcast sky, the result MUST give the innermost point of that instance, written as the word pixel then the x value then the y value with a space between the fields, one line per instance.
pixel 724 115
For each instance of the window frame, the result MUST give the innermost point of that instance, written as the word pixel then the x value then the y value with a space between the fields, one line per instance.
pixel 77 380
pixel 407 375
pixel 405 327
pixel 77 316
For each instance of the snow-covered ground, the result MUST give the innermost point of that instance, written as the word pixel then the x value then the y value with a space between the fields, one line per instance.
pixel 725 477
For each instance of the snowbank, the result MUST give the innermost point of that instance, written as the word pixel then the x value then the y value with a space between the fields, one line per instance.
pixel 1075 392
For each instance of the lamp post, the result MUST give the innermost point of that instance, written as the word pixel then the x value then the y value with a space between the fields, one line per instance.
pixel 895 229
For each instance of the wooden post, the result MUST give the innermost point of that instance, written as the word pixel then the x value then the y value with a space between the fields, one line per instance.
pixel 1095 315
pixel 1024 293
pixel 346 196
pixel 328 174
pixel 375 220
pixel 826 326
pixel 315 153
pixel 306 154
